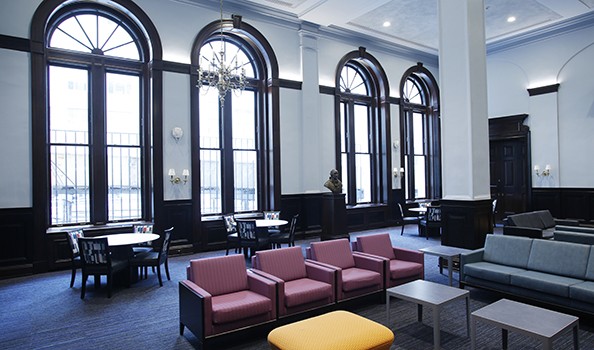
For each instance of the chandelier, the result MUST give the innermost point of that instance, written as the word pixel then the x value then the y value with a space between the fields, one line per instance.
pixel 219 73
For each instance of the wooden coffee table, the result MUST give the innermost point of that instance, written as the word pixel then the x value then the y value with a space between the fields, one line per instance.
pixel 542 324
pixel 431 294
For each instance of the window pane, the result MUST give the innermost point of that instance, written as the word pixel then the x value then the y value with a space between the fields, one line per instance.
pixel 210 182
pixel 351 81
pixel 420 184
pixel 343 174
pixel 361 129
pixel 244 123
pixel 69 184
pixel 122 109
pixel 246 169
pixel 209 118
pixel 343 134
pixel 235 58
pixel 69 111
pixel 412 92
pixel 363 170
pixel 124 185
pixel 418 134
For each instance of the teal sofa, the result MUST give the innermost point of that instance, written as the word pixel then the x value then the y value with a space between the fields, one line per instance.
pixel 557 273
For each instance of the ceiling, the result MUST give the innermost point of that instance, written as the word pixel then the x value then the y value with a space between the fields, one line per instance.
pixel 414 23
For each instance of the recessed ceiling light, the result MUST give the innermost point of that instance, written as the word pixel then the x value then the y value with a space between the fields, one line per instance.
pixel 511 19
pixel 387 24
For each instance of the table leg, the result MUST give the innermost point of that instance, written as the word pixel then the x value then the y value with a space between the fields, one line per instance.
pixel 436 329
pixel 576 342
pixel 420 312
pixel 467 315
pixel 450 267
pixel 388 307
pixel 473 334
pixel 548 344
pixel 503 338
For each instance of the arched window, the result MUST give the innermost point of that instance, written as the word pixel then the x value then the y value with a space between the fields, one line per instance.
pixel 361 117
pixel 235 128
pixel 420 130
pixel 97 116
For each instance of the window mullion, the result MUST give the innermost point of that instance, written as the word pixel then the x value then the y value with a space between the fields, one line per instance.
pixel 98 162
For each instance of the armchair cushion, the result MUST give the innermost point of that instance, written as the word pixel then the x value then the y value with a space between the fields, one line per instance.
pixel 305 290
pixel 401 268
pixel 356 278
pixel 207 274
pixel 287 263
pixel 378 244
pixel 334 252
pixel 239 305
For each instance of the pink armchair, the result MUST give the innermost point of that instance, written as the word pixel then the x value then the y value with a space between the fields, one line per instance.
pixel 402 265
pixel 220 295
pixel 302 285
pixel 356 274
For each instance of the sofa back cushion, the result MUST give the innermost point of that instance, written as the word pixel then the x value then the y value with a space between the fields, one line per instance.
pixel 379 244
pixel 526 220
pixel 220 275
pixel 507 250
pixel 335 252
pixel 286 263
pixel 547 219
pixel 559 258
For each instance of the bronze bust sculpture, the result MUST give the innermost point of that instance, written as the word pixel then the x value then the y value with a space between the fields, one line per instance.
pixel 333 183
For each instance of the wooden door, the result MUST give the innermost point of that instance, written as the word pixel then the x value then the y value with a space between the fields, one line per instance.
pixel 509 176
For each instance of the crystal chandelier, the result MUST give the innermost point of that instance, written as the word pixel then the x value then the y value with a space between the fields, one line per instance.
pixel 220 73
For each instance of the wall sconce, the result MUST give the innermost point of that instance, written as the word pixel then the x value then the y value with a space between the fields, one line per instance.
pixel 398 172
pixel 545 172
pixel 177 133
pixel 176 179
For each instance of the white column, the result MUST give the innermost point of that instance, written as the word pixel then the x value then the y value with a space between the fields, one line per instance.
pixel 463 91
pixel 312 174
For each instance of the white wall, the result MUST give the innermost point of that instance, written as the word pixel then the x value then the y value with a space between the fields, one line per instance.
pixel 565 59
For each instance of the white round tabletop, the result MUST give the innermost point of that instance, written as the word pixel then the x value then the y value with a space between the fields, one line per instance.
pixel 130 238
pixel 270 222
pixel 418 209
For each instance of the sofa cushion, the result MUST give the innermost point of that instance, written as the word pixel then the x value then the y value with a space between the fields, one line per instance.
pixel 207 273
pixel 507 250
pixel 305 290
pixel 526 220
pixel 547 219
pixel 559 258
pixel 403 269
pixel 356 278
pixel 335 252
pixel 582 291
pixel 492 272
pixel 239 305
pixel 287 263
pixel 544 282
pixel 379 244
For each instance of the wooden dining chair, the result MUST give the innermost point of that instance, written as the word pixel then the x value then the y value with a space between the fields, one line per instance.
pixel 96 260
pixel 143 247
pixel 232 237
pixel 73 237
pixel 251 237
pixel 285 238
pixel 154 259
pixel 272 215
pixel 405 220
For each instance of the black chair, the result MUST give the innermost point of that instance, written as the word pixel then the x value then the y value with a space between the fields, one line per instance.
pixel 232 237
pixel 155 259
pixel 73 237
pixel 406 220
pixel 251 237
pixel 143 247
pixel 432 219
pixel 96 260
pixel 285 238
pixel 272 215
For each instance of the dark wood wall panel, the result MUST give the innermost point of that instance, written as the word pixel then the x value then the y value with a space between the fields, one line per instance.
pixel 565 203
pixel 17 254
pixel 178 214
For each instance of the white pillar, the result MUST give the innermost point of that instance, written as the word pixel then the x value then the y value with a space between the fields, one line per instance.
pixel 463 91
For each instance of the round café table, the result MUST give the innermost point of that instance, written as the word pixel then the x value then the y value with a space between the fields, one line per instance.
pixel 123 239
pixel 270 222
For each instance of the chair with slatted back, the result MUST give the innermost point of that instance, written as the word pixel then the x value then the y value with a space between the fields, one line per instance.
pixel 73 237
pixel 143 247
pixel 232 237
pixel 251 237
pixel 155 259
pixel 285 238
pixel 96 260
pixel 272 215
pixel 432 219
pixel 405 220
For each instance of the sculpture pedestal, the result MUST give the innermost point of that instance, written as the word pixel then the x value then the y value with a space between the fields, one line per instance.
pixel 333 216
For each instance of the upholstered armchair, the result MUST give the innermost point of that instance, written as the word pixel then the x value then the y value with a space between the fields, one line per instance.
pixel 356 274
pixel 402 265
pixel 221 295
pixel 302 285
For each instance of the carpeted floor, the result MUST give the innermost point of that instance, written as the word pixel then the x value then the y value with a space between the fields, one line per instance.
pixel 40 311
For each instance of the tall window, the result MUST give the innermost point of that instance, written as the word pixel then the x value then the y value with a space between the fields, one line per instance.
pixel 235 133
pixel 98 122
pixel 361 117
pixel 420 120
pixel 355 148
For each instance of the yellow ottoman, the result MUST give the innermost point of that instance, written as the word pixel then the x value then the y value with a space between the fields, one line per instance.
pixel 340 330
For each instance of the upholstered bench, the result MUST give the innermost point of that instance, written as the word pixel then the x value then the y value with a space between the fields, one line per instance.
pixel 340 330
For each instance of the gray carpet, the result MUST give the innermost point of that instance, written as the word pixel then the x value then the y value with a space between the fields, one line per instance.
pixel 40 311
